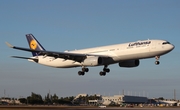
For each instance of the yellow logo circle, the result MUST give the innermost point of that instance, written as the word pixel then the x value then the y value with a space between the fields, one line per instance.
pixel 33 44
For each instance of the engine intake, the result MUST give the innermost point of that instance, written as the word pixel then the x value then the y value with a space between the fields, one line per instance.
pixel 129 63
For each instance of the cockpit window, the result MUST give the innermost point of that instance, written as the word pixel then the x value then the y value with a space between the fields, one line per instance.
pixel 166 43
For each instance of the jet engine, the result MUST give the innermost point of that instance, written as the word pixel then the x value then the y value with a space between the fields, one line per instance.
pixel 129 63
pixel 92 61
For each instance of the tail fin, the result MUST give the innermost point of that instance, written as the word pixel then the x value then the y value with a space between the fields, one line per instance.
pixel 34 44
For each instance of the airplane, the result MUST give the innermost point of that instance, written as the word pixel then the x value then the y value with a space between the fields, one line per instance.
pixel 126 55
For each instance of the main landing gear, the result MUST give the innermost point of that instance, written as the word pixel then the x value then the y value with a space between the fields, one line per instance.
pixel 83 71
pixel 105 70
pixel 157 60
pixel 102 73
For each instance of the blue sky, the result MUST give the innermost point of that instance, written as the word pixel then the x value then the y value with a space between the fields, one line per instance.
pixel 75 24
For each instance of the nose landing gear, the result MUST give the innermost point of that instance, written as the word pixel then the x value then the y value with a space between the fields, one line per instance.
pixel 157 60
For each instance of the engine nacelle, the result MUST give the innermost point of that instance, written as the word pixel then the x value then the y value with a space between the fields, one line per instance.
pixel 129 63
pixel 92 61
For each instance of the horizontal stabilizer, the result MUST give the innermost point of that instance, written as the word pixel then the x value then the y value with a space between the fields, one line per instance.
pixel 34 59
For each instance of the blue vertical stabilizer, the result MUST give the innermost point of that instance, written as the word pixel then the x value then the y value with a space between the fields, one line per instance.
pixel 34 44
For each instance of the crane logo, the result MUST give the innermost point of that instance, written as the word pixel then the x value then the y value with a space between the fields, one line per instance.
pixel 33 44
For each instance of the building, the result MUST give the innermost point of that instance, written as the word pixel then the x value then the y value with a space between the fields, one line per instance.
pixel 119 99
pixel 96 100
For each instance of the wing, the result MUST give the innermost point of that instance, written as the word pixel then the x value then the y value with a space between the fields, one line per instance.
pixel 78 57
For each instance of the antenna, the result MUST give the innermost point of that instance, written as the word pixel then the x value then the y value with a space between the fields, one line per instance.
pixel 174 94
pixel 4 93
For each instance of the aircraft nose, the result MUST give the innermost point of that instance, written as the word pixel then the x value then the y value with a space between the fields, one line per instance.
pixel 171 47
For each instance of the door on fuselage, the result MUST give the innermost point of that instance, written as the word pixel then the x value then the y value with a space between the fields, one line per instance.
pixel 156 46
pixel 152 46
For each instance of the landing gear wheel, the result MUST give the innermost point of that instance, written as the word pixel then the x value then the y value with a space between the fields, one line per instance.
pixel 81 73
pixel 106 70
pixel 102 73
pixel 157 62
pixel 86 69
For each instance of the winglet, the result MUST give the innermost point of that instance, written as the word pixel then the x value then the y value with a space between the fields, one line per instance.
pixel 9 45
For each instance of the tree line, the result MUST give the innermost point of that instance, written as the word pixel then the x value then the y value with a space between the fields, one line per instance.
pixel 36 99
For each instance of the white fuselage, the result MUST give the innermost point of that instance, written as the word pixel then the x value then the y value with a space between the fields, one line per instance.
pixel 119 52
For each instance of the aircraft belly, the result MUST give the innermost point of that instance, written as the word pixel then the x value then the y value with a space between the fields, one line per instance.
pixel 58 62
